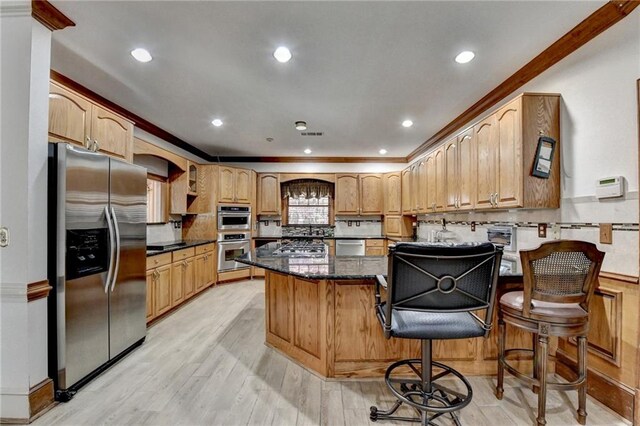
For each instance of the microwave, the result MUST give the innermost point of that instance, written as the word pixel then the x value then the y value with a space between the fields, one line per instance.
pixel 232 218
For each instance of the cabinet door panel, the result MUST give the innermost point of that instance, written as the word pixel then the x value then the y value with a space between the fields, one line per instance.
pixel 177 283
pixel 440 186
pixel 347 198
pixel 243 186
pixel 113 134
pixel 451 174
pixel 486 162
pixel 371 194
pixel 162 290
pixel 189 278
pixel 69 115
pixel 466 170
pixel 415 188
pixel 392 190
pixel 151 282
pixel 431 183
pixel 421 195
pixel 269 200
pixel 406 191
pixel 509 156
pixel 226 189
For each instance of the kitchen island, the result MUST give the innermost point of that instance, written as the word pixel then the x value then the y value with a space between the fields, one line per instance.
pixel 320 312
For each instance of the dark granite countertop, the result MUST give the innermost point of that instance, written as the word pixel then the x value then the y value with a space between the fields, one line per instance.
pixel 190 243
pixel 327 267
pixel 313 237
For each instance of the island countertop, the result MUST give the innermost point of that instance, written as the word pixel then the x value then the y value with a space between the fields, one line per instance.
pixel 327 267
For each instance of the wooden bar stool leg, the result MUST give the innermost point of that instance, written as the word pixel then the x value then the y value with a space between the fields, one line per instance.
pixel 501 338
pixel 543 342
pixel 582 373
pixel 534 338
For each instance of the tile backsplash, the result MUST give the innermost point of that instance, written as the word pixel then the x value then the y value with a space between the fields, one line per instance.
pixel 357 226
pixel 165 232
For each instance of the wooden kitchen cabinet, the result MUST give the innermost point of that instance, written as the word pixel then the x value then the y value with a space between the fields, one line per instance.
pixel 407 187
pixel 189 279
pixel 76 119
pixel 177 283
pixel 421 187
pixel 436 181
pixel 398 226
pixel 269 198
pixel 234 185
pixel 162 290
pixel 151 283
pixel 375 247
pixel 371 200
pixel 392 193
pixel 460 163
pixel 347 199
pixel 359 194
pixel 198 192
pixel 506 145
pixel 204 270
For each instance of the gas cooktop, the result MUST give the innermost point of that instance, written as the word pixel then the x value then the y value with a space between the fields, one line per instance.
pixel 301 248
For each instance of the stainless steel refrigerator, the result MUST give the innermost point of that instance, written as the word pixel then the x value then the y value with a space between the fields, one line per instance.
pixel 97 258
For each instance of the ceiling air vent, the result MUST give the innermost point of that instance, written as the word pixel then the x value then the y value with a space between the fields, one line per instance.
pixel 311 133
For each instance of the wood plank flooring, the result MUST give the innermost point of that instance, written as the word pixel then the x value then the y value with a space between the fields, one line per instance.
pixel 206 364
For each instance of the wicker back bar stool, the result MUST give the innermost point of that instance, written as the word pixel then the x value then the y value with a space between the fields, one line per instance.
pixel 559 280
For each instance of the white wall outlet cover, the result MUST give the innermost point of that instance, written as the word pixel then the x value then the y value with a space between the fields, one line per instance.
pixel 4 237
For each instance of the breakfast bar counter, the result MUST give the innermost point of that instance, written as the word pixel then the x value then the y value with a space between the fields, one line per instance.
pixel 320 312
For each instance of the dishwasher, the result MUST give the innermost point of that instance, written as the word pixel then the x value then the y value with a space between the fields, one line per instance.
pixel 350 248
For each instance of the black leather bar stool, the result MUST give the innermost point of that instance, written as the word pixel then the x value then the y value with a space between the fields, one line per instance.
pixel 559 279
pixel 434 292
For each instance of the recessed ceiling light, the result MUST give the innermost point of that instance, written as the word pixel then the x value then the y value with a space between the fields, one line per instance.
pixel 383 151
pixel 464 57
pixel 141 54
pixel 301 125
pixel 282 54
pixel 407 123
pixel 217 122
pixel 307 151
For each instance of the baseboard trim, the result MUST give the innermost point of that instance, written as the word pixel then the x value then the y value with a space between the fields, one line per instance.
pixel 41 397
pixel 615 395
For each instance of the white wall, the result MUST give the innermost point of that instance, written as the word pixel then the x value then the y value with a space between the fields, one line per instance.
pixel 24 76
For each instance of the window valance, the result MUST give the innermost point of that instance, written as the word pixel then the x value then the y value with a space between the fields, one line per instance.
pixel 307 188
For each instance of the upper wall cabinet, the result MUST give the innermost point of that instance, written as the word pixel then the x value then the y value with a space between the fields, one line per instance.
pixel 234 185
pixel 460 163
pixel 392 191
pixel 407 189
pixel 359 194
pixel 269 199
pixel 507 143
pixel 75 119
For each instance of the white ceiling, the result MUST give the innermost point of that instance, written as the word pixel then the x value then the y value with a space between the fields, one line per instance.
pixel 358 69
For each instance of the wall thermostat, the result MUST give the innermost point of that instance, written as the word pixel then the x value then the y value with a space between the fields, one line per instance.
pixel 610 187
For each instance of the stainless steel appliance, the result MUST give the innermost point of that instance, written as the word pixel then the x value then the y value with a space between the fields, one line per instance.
pixel 504 236
pixel 302 248
pixel 230 247
pixel 97 255
pixel 234 218
pixel 350 248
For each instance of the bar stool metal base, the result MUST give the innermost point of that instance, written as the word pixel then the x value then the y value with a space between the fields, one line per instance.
pixel 424 395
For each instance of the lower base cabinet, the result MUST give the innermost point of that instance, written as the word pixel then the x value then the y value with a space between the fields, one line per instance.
pixel 173 278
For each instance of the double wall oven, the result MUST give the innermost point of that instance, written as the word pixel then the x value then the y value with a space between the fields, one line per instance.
pixel 234 236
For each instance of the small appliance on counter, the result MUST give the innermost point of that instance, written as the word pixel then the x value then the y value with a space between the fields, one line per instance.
pixel 504 236
pixel 96 243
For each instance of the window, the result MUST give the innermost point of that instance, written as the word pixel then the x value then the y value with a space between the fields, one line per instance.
pixel 308 211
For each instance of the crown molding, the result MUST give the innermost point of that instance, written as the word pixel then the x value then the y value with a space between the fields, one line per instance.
pixel 49 16
pixel 307 159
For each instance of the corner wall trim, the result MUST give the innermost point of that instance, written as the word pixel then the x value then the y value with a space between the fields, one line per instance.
pixel 41 398
pixel 585 31
pixel 47 14
pixel 38 290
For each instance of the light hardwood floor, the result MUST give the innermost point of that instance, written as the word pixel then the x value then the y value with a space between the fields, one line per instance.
pixel 206 364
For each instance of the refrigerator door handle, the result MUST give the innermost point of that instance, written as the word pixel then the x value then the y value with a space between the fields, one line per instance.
pixel 117 267
pixel 112 249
